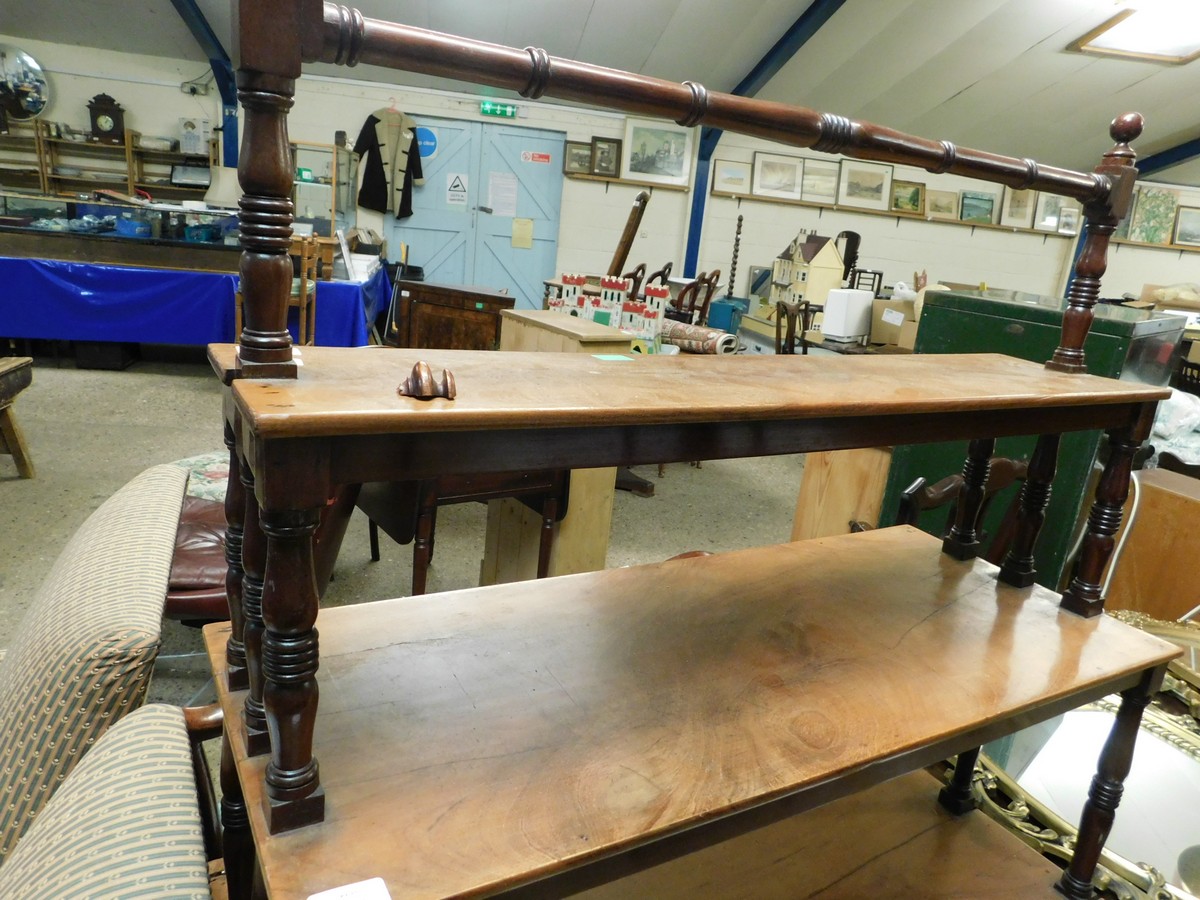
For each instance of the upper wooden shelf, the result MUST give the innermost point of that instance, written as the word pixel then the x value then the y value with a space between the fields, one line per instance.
pixel 582 716
pixel 652 185
pixel 347 391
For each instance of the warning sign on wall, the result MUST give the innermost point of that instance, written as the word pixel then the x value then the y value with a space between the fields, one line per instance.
pixel 456 189
pixel 534 156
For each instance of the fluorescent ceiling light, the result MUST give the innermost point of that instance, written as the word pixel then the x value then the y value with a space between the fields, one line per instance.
pixel 1154 32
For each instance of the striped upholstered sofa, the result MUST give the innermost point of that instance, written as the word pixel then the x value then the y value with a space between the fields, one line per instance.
pixel 80 661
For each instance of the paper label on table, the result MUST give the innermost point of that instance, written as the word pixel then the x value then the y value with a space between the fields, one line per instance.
pixel 456 189
pixel 894 317
pixel 371 889
pixel 612 357
pixel 522 234
pixel 502 193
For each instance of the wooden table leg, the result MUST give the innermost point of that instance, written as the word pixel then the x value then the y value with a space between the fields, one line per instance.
pixel 1018 568
pixel 963 540
pixel 235 516
pixel 254 558
pixel 12 441
pixel 1083 596
pixel 294 796
pixel 1107 786
pixel 236 840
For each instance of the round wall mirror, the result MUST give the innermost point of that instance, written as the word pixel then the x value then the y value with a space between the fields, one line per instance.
pixel 24 91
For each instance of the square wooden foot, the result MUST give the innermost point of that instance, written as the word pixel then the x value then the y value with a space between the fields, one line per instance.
pixel 288 815
pixel 959 550
pixel 258 741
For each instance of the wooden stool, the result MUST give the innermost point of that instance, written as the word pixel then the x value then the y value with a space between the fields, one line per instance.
pixel 16 372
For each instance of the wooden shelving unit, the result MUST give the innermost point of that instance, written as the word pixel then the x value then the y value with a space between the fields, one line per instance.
pixel 20 158
pixel 653 185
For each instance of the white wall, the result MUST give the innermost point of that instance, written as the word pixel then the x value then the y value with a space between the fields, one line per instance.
pixel 594 214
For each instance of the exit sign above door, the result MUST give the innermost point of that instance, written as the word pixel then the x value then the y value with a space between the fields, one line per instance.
pixel 499 110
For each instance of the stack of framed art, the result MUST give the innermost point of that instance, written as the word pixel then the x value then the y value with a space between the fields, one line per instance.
pixel 1158 218
pixel 652 152
pixel 872 187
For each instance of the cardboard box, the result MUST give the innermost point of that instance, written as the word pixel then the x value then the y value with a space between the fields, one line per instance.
pixel 847 314
pixel 888 317
pixel 908 335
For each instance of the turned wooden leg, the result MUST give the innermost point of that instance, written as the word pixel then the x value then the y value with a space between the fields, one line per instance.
pixel 294 796
pixel 1107 786
pixel 546 542
pixel 957 796
pixel 235 515
pixel 254 558
pixel 1019 568
pixel 423 541
pixel 373 535
pixel 963 540
pixel 1083 596
pixel 237 842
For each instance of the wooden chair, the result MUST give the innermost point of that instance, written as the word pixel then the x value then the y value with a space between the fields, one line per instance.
pixel 691 305
pixel 661 275
pixel 304 253
pixel 635 278
pixel 799 318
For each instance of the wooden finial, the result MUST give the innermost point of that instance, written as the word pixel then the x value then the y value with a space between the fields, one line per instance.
pixel 421 384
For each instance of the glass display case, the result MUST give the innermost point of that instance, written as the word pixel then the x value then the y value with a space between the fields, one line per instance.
pixel 325 175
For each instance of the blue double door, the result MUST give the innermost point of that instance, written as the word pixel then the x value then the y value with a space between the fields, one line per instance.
pixel 488 212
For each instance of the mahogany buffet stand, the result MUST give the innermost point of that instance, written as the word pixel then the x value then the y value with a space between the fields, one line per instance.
pixel 549 737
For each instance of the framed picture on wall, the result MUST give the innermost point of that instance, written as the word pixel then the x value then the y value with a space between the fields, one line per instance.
pixel 1068 220
pixel 1122 232
pixel 941 204
pixel 778 176
pixel 1153 219
pixel 577 158
pixel 731 177
pixel 865 185
pixel 820 182
pixel 657 152
pixel 1187 227
pixel 1045 217
pixel 976 207
pixel 606 157
pixel 1018 208
pixel 908 197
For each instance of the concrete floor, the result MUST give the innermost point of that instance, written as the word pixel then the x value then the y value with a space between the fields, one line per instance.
pixel 90 431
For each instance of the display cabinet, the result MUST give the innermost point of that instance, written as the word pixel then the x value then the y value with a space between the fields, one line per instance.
pixel 322 189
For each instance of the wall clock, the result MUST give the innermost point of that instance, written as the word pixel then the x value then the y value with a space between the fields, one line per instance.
pixel 108 120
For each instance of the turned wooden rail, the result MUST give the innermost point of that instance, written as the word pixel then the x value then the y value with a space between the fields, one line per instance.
pixel 277 36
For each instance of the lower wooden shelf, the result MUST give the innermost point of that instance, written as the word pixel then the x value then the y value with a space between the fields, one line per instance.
pixel 555 735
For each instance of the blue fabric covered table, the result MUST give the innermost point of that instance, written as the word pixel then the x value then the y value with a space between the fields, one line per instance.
pixel 88 302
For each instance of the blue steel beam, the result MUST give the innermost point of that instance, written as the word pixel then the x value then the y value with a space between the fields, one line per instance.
pixel 1167 158
pixel 802 30
pixel 222 70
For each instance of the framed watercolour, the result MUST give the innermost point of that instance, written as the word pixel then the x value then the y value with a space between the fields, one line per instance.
pixel 1187 227
pixel 908 197
pixel 1068 220
pixel 1018 208
pixel 778 176
pixel 865 185
pixel 606 157
pixel 820 182
pixel 1153 218
pixel 941 204
pixel 657 152
pixel 976 207
pixel 577 158
pixel 1046 211
pixel 731 177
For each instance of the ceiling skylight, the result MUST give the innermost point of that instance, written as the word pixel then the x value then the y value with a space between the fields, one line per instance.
pixel 1154 32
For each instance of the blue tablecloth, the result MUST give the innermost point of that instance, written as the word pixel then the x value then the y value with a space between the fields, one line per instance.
pixel 88 302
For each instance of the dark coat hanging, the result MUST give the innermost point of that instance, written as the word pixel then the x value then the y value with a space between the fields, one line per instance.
pixel 387 148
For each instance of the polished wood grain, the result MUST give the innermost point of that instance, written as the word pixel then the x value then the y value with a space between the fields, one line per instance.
pixel 537 728
pixel 352 391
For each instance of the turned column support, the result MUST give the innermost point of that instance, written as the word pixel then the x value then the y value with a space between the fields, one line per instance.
pixel 1018 568
pixel 254 560
pixel 235 516
pixel 963 540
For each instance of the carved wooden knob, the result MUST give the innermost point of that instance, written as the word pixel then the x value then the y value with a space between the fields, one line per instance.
pixel 1126 127
pixel 421 384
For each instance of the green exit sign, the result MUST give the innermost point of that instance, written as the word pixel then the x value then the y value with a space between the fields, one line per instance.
pixel 500 110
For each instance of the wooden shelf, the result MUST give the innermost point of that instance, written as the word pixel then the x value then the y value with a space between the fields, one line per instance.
pixel 630 181
pixel 662 708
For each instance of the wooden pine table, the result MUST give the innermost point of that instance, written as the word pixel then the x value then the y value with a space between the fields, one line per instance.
pixel 567 732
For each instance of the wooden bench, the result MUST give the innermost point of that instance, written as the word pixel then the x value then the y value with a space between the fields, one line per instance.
pixel 16 373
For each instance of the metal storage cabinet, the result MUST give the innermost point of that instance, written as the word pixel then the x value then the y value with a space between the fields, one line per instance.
pixel 1131 344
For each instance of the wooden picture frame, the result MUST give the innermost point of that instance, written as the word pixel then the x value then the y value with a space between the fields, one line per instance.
pixel 941 205
pixel 865 185
pixel 1068 220
pixel 908 197
pixel 778 176
pixel 656 152
pixel 1187 227
pixel 577 158
pixel 977 207
pixel 820 182
pixel 606 157
pixel 1045 217
pixel 1153 218
pixel 731 177
pixel 1018 208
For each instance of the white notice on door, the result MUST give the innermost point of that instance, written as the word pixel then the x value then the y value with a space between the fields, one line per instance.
pixel 456 189
pixel 502 193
